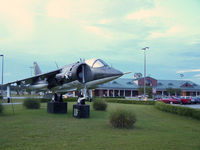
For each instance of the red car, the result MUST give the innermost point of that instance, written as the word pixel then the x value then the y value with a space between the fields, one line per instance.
pixel 169 100
pixel 186 99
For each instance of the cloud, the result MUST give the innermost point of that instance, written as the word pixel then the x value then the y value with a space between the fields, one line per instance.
pixel 17 19
pixel 189 70
pixel 173 31
pixel 98 31
pixel 72 10
pixel 166 20
pixel 197 75
pixel 143 14
pixel 105 21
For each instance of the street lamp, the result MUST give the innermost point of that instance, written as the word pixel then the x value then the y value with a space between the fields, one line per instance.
pixel 2 75
pixel 144 49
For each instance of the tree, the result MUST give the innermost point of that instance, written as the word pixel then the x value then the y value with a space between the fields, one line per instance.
pixel 173 91
pixel 148 91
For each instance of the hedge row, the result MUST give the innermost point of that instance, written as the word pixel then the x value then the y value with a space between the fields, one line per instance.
pixel 180 110
pixel 1 108
pixel 69 99
pixel 123 101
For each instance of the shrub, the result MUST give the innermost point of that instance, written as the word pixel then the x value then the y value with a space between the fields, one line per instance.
pixel 99 105
pixel 44 100
pixel 124 101
pixel 32 103
pixel 1 108
pixel 122 118
pixel 180 110
pixel 70 99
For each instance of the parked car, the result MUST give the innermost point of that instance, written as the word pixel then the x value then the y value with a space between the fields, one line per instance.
pixel 68 95
pixel 143 97
pixel 185 99
pixel 169 100
pixel 195 100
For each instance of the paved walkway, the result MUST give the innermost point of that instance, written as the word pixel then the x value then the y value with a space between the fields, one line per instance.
pixel 11 103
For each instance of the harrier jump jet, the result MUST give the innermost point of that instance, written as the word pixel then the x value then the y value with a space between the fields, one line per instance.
pixel 81 76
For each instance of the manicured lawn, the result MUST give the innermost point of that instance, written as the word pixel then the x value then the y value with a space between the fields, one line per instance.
pixel 154 130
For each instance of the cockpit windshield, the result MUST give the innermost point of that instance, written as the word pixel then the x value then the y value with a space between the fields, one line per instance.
pixel 96 63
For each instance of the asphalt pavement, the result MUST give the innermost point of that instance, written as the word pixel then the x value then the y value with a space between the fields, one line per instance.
pixel 196 106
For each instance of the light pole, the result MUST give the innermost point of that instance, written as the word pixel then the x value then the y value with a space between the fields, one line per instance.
pixel 144 49
pixel 2 75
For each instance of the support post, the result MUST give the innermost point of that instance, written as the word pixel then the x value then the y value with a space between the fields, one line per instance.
pixel 131 94
pixel 8 91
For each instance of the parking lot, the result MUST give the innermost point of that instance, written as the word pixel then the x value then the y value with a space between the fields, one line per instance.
pixel 196 106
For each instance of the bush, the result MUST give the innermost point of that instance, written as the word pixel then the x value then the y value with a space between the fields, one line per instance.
pixel 99 105
pixel 180 110
pixel 124 101
pixel 70 99
pixel 1 108
pixel 44 100
pixel 122 118
pixel 32 103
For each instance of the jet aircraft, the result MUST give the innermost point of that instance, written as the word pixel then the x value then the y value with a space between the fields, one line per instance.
pixel 81 75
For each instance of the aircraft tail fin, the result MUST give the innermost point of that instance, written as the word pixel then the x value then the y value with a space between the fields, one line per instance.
pixel 37 70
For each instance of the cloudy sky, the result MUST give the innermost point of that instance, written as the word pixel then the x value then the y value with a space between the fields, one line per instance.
pixel 63 31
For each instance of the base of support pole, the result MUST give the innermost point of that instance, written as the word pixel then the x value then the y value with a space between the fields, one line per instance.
pixel 81 111
pixel 57 107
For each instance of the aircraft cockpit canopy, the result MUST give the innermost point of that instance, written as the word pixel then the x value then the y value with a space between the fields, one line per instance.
pixel 95 63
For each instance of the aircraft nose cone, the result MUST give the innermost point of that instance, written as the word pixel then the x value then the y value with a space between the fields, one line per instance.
pixel 117 72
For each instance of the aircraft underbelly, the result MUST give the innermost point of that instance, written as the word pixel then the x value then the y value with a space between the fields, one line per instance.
pixel 78 85
pixel 94 83
pixel 68 86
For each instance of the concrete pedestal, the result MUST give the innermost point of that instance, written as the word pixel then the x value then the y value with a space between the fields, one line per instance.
pixel 81 111
pixel 57 107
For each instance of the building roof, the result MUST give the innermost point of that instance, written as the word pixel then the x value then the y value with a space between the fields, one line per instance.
pixel 125 83
pixel 182 84
pixel 120 83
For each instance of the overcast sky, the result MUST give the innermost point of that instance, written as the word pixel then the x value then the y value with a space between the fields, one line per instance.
pixel 113 30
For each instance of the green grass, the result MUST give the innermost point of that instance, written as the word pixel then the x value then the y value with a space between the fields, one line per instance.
pixel 154 130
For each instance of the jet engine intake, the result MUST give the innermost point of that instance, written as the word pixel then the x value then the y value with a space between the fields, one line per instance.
pixel 60 78
pixel 84 73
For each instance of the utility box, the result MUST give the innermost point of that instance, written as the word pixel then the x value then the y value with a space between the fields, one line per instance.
pixel 57 107
pixel 81 111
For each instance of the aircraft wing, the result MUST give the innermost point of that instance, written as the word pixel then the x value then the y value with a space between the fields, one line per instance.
pixel 33 78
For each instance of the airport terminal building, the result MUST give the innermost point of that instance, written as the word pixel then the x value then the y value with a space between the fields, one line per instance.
pixel 124 87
